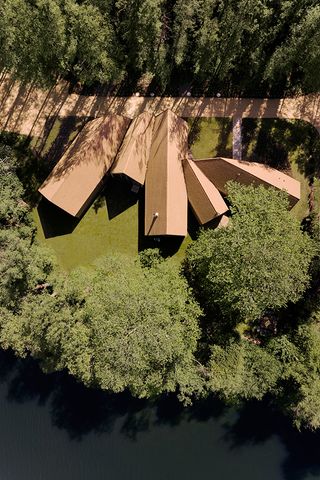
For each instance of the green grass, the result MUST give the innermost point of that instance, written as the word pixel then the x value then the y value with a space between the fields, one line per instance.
pixel 301 209
pixel 94 236
pixel 282 144
pixel 54 132
pixel 317 195
pixel 211 137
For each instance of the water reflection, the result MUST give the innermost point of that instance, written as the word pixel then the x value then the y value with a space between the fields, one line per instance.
pixel 53 428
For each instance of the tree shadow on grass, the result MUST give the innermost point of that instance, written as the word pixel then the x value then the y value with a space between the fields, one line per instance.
pixel 270 141
pixel 60 136
pixel 223 148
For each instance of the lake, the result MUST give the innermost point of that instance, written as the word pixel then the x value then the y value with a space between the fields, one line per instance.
pixel 54 429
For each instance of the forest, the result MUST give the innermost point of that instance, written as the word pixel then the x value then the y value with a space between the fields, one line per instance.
pixel 234 47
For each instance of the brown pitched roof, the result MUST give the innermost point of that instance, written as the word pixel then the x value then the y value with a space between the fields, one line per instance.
pixel 221 170
pixel 205 199
pixel 78 175
pixel 133 156
pixel 166 203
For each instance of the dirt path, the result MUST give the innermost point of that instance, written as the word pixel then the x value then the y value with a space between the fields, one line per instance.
pixel 31 111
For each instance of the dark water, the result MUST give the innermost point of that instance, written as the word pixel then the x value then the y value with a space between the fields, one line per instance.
pixel 54 429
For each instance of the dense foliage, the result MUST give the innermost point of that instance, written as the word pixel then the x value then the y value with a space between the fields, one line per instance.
pixel 22 263
pixel 134 324
pixel 238 46
pixel 118 326
pixel 261 262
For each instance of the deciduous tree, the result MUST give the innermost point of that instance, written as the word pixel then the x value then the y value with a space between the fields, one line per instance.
pixel 258 263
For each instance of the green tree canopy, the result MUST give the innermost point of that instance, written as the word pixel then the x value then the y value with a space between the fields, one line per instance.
pixel 142 34
pixel 242 370
pixel 299 355
pixel 258 263
pixel 92 47
pixel 300 53
pixel 44 39
pixel 22 263
pixel 13 211
pixel 119 326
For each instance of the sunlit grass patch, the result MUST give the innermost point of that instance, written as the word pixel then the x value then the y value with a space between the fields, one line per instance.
pixel 210 137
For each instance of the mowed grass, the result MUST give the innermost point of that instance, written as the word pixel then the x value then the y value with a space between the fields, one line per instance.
pixel 210 137
pixel 94 236
pixel 301 209
pixel 317 195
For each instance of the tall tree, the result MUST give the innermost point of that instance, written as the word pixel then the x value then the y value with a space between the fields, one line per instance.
pixel 44 39
pixel 235 266
pixel 119 326
pixel 141 29
pixel 299 54
pixel 22 263
pixel 242 370
pixel 34 43
pixel 92 47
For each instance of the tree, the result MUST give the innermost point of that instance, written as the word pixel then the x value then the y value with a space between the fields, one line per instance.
pixel 92 47
pixel 144 324
pixel 34 39
pixel 45 39
pixel 13 211
pixel 141 30
pixel 300 53
pixel 242 370
pixel 22 263
pixel 117 327
pixel 258 263
pixel 299 355
pixel 23 266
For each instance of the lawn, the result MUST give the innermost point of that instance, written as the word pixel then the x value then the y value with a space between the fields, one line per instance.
pixel 301 209
pixel 210 137
pixel 97 235
pixel 94 236
pixel 113 225
pixel 288 145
